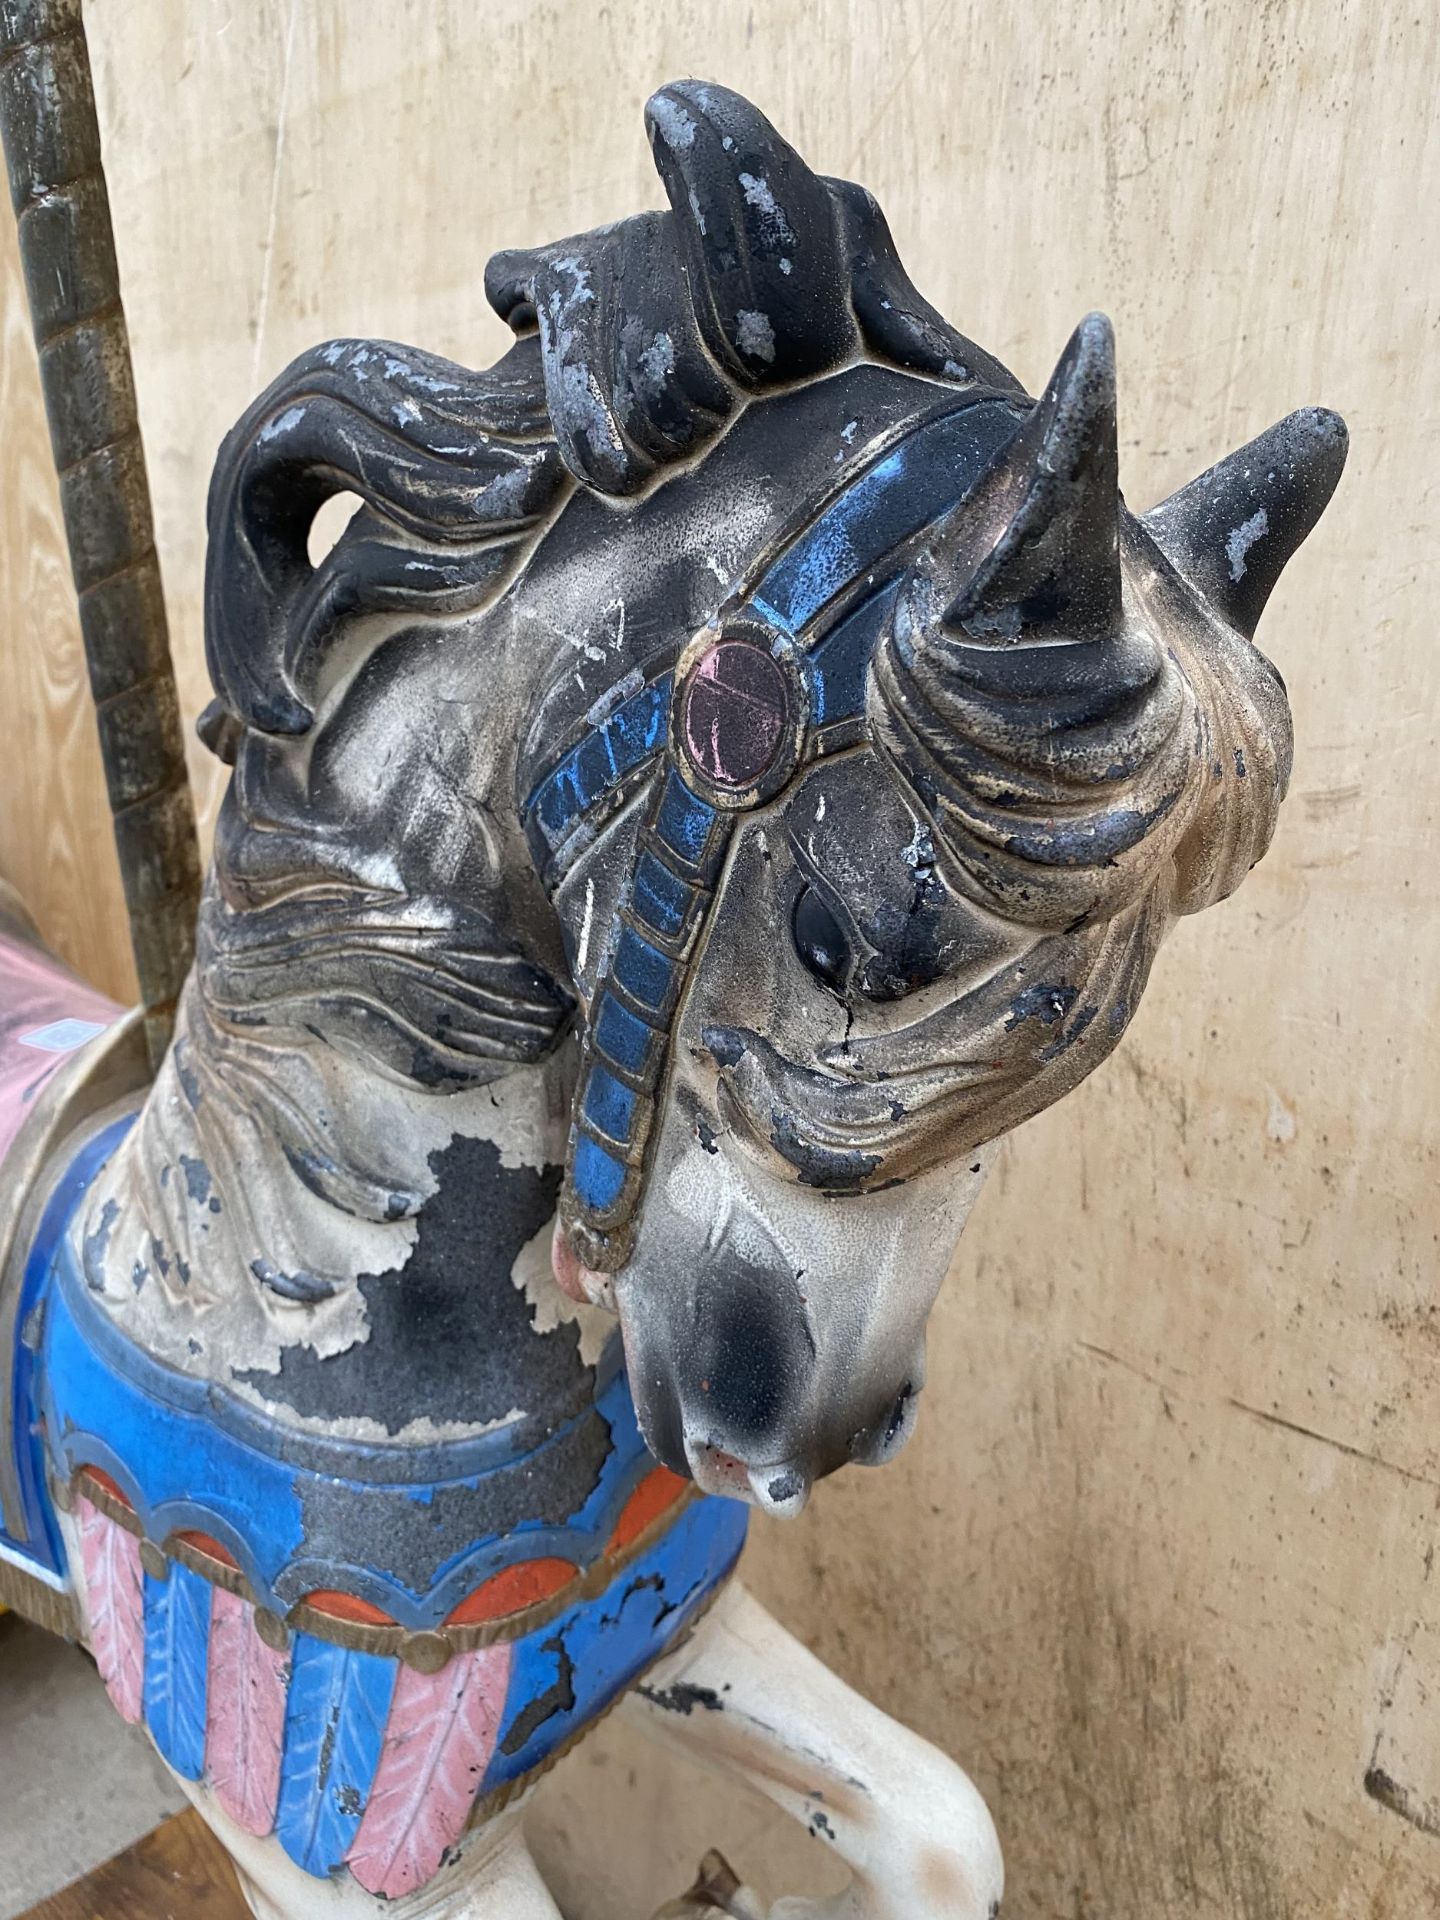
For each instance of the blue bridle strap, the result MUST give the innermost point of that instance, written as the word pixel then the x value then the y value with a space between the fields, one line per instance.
pixel 680 849
pixel 885 505
pixel 600 762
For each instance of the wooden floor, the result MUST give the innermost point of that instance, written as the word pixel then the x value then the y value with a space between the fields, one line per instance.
pixel 176 1873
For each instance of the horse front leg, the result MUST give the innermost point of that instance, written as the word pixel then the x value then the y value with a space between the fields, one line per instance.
pixel 744 1696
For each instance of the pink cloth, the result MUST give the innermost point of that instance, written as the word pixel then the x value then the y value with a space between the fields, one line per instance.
pixel 45 1015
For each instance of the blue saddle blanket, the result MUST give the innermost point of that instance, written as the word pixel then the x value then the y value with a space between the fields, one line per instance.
pixel 396 1592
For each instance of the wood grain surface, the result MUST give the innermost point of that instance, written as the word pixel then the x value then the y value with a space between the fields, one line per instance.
pixel 1158 1565
pixel 176 1873
pixel 55 837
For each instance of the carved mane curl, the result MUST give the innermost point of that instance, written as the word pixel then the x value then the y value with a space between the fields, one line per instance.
pixel 637 343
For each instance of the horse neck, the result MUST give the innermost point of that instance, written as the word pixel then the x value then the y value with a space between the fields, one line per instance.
pixel 268 1178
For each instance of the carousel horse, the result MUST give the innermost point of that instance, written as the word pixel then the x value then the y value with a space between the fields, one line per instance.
pixel 736 764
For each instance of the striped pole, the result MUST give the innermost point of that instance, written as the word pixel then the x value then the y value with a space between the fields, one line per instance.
pixel 67 249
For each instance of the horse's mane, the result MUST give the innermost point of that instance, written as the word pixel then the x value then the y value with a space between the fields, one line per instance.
pixel 636 344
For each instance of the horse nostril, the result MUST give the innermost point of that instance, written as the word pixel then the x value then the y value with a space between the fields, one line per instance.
pixel 714 1470
pixel 876 1444
pixel 899 1414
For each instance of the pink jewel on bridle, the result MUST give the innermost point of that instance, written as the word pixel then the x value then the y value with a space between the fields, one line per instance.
pixel 734 714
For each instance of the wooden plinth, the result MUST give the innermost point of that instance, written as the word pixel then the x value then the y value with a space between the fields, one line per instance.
pixel 179 1872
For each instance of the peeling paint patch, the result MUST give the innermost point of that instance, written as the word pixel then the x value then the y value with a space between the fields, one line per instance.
pixel 282 424
pixel 1048 1003
pixel 774 220
pixel 533 1275
pixel 831 1168
pixel 558 1699
pixel 673 121
pixel 657 363
pixel 197 1178
pixel 684 1698
pixel 754 335
pixel 1240 540
pixel 96 1243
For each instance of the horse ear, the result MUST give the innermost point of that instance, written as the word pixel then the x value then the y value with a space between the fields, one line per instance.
pixel 1231 532
pixel 1047 511
pixel 1042 735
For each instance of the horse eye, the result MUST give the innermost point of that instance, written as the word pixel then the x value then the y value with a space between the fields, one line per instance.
pixel 821 942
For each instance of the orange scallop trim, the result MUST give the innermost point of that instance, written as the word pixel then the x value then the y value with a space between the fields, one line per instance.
pixel 207 1544
pixel 658 1490
pixel 345 1606
pixel 107 1485
pixel 511 1589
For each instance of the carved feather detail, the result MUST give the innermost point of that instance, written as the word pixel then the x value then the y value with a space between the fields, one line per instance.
pixel 245 1737
pixel 438 1742
pixel 115 1607
pixel 177 1658
pixel 339 1702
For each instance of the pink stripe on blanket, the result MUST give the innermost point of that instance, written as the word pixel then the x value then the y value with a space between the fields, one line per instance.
pixel 245 1734
pixel 438 1741
pixel 114 1607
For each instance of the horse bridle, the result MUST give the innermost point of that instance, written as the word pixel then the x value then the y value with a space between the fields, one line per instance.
pixel 775 681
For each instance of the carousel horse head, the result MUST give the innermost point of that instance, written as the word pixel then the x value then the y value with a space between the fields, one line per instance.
pixel 746 697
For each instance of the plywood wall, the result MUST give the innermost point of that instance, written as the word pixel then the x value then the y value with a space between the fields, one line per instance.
pixel 1159 1564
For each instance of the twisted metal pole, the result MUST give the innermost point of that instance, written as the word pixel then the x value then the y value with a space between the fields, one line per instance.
pixel 67 249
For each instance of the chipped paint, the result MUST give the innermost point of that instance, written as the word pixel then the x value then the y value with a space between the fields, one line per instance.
pixel 755 334
pixel 1242 538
